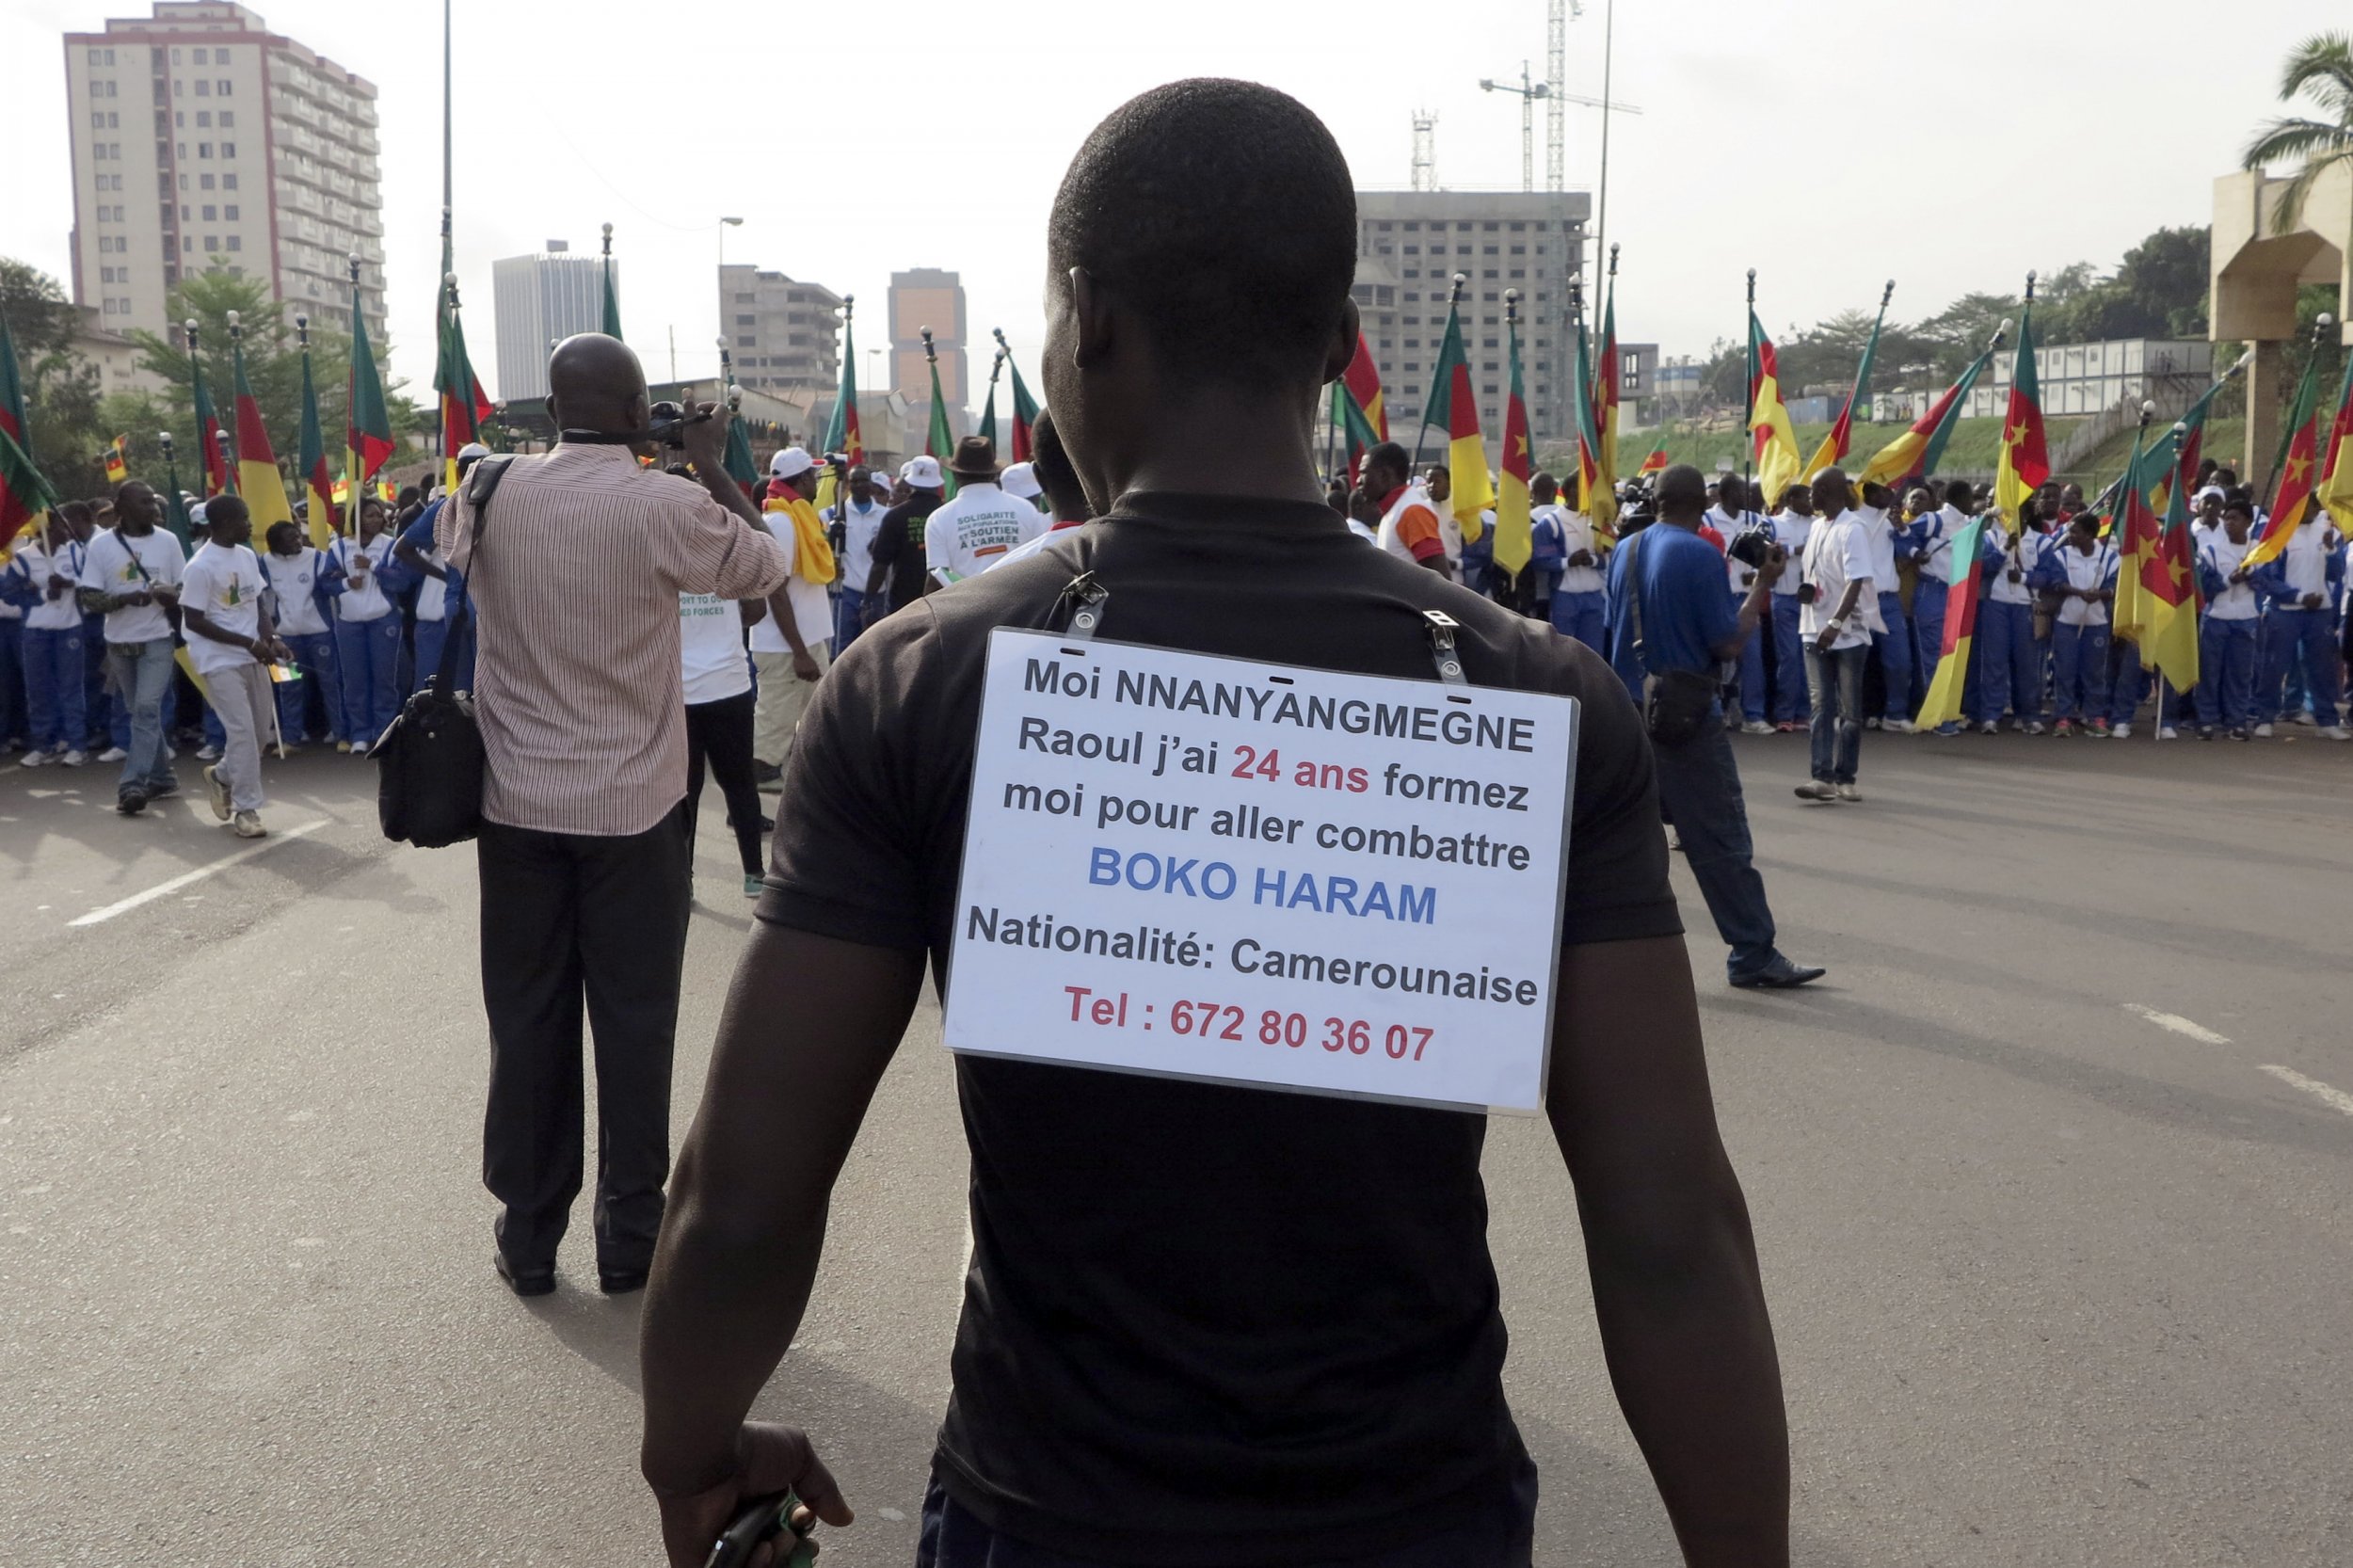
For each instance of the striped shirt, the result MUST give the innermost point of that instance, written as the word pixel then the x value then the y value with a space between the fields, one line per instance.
pixel 576 683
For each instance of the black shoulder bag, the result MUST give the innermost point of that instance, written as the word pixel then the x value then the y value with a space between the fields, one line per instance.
pixel 1675 703
pixel 429 761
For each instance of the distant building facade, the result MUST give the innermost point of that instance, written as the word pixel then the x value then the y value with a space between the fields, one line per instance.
pixel 537 300
pixel 928 296
pixel 785 333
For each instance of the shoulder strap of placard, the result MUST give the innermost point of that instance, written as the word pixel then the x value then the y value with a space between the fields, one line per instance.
pixel 1086 597
pixel 1442 651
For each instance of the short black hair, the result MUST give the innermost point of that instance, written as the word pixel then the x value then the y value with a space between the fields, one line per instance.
pixel 1960 493
pixel 1388 454
pixel 1682 486
pixel 2244 509
pixel 225 507
pixel 1223 214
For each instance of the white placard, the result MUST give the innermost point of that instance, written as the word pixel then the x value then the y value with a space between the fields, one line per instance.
pixel 1212 868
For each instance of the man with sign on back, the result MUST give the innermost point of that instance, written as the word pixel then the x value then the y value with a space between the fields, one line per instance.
pixel 1209 1324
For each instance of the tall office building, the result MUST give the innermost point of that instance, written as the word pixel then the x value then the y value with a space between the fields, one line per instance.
pixel 928 296
pixel 784 333
pixel 1409 246
pixel 200 139
pixel 535 300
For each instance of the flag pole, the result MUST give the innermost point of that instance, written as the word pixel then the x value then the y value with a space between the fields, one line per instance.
pixel 1748 395
pixel 2131 466
pixel 1332 433
pixel 230 454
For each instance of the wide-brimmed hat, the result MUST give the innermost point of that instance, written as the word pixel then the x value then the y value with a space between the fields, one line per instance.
pixel 976 459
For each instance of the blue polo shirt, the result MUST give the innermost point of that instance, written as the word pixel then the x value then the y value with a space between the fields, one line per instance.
pixel 1684 609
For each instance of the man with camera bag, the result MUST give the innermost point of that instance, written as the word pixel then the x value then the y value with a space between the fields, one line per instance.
pixel 584 859
pixel 1672 632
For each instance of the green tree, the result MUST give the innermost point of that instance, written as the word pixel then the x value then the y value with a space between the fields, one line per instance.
pixel 2321 70
pixel 60 389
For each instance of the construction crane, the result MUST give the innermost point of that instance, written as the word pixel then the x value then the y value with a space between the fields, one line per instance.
pixel 1554 92
pixel 1528 92
pixel 1425 151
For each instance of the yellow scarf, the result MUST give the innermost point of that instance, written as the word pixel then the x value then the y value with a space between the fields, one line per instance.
pixel 812 554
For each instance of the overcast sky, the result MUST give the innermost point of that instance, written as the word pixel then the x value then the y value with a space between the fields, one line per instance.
pixel 1999 137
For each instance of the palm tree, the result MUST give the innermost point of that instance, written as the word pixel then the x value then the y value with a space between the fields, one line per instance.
pixel 2321 68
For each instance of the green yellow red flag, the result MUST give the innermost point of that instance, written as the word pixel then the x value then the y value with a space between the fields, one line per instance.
pixel 318 486
pixel 2158 610
pixel 1514 537
pixel 1773 440
pixel 212 455
pixel 842 432
pixel 2026 461
pixel 1918 450
pixel 1601 504
pixel 1946 688
pixel 2297 496
pixel 1454 409
pixel 2336 489
pixel 368 431
pixel 1363 380
pixel 118 459
pixel 1840 440
pixel 258 479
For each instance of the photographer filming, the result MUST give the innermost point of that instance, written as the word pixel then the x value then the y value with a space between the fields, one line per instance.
pixel 1672 632
pixel 573 562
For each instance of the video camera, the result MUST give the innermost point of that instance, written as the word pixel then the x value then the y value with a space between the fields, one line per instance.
pixel 1753 546
pixel 665 426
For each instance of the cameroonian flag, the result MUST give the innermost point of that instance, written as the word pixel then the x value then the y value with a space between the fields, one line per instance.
pixel 738 461
pixel 1840 440
pixel 2300 474
pixel 1363 380
pixel 1654 463
pixel 2025 463
pixel 1024 414
pixel 2336 490
pixel 988 411
pixel 1918 450
pixel 1356 426
pixel 368 432
pixel 2191 429
pixel 463 404
pixel 23 493
pixel 2157 609
pixel 1602 503
pixel 212 447
pixel 1946 688
pixel 1772 439
pixel 1455 410
pixel 258 479
pixel 1515 541
pixel 118 459
pixel 841 434
pixel 940 442
pixel 318 485
pixel 1581 415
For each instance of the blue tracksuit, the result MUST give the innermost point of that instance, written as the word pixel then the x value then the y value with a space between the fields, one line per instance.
pixel 2079 652
pixel 2226 655
pixel 2290 629
pixel 2010 661
pixel 368 653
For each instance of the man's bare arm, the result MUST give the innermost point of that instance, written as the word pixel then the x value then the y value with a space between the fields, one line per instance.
pixel 1667 1242
pixel 809 1026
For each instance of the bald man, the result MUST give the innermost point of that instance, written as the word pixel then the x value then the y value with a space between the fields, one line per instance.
pixel 584 852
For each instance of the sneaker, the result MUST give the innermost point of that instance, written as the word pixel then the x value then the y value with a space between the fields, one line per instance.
pixel 1990 727
pixel 2263 731
pixel 75 758
pixel 2205 733
pixel 171 753
pixel 164 788
pixel 2034 726
pixel 35 759
pixel 217 790
pixel 1897 726
pixel 2240 734
pixel 1948 729
pixel 1787 726
pixel 1818 789
pixel 249 826
pixel 1756 727
pixel 1871 723
pixel 2064 729
pixel 131 802
pixel 2305 719
pixel 342 746
pixel 208 753
pixel 2121 730
pixel 755 886
pixel 1850 794
pixel 113 754
pixel 2100 729
pixel 2336 733
pixel 2167 732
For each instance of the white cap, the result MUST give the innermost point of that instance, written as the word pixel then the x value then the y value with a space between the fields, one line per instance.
pixel 2215 490
pixel 473 449
pixel 923 473
pixel 1021 480
pixel 791 463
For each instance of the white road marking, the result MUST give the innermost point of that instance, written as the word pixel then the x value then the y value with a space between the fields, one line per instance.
pixel 161 889
pixel 2178 1024
pixel 2312 1086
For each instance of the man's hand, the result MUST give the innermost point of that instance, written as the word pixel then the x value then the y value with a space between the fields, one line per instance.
pixel 2238 576
pixel 1776 557
pixel 804 664
pixel 2017 576
pixel 1582 558
pixel 2312 601
pixel 59 585
pixel 706 438
pixel 138 599
pixel 271 650
pixel 768 1459
pixel 1829 636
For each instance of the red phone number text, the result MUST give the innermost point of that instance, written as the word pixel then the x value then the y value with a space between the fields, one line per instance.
pixel 1217 1020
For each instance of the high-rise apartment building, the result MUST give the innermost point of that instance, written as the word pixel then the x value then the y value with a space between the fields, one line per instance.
pixel 534 302
pixel 928 296
pixel 783 333
pixel 200 138
pixel 1409 246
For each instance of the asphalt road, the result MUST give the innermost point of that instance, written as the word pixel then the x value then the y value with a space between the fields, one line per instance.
pixel 2049 1183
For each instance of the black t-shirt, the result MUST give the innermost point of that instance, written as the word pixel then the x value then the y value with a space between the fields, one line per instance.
pixel 1206 1326
pixel 899 545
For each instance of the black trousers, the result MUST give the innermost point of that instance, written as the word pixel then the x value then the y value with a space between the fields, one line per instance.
pixel 721 733
pixel 568 920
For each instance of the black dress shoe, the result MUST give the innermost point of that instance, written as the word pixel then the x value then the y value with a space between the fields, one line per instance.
pixel 620 1284
pixel 525 1282
pixel 1777 974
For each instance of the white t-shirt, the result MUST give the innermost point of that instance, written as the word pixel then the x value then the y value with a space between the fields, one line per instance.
pixel 1837 553
pixel 1878 533
pixel 1450 530
pixel 293 577
pixel 362 599
pixel 224 585
pixel 61 613
pixel 812 610
pixel 1790 531
pixel 1576 533
pixel 110 568
pixel 973 532
pixel 1738 576
pixel 2236 601
pixel 859 524
pixel 711 648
